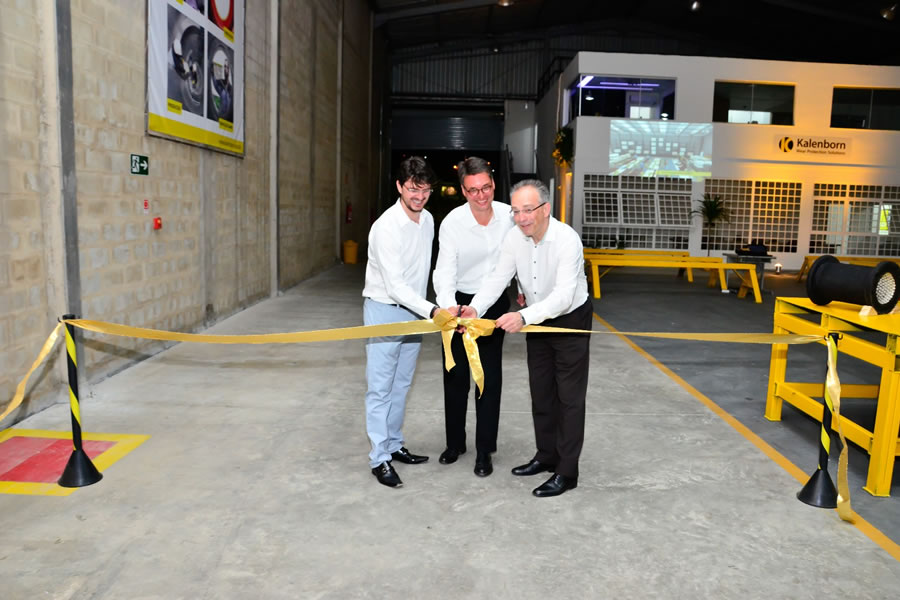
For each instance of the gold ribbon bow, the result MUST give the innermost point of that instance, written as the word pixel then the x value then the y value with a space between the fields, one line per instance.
pixel 833 403
pixel 475 328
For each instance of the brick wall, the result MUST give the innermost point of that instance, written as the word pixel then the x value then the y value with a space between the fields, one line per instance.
pixel 212 256
pixel 307 137
pixel 25 278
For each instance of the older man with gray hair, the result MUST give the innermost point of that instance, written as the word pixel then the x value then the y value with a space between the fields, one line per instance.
pixel 548 258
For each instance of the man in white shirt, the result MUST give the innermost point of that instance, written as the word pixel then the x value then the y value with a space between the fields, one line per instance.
pixel 548 258
pixel 396 282
pixel 470 239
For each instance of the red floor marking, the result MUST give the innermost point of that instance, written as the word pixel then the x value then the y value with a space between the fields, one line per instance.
pixel 48 463
pixel 17 450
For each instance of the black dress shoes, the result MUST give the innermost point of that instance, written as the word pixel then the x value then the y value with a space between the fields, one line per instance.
pixel 483 465
pixel 449 456
pixel 405 456
pixel 555 486
pixel 532 468
pixel 386 475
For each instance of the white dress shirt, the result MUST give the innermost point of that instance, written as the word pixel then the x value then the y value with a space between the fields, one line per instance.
pixel 550 273
pixel 399 260
pixel 468 251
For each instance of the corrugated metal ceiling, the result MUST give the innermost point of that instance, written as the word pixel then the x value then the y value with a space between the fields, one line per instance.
pixel 844 31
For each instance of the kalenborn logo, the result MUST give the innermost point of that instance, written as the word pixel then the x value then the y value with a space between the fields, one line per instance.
pixel 786 144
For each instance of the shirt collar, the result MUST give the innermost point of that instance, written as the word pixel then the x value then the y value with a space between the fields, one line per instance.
pixel 550 234
pixel 470 220
pixel 400 216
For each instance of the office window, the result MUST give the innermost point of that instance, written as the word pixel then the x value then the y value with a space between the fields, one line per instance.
pixel 622 97
pixel 756 103
pixel 863 108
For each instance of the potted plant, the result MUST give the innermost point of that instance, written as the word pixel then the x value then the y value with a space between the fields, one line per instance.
pixel 564 146
pixel 712 209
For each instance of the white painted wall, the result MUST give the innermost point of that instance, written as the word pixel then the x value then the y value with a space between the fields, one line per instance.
pixel 518 134
pixel 743 151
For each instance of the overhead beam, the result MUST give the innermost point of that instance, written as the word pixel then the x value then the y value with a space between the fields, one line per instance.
pixel 421 11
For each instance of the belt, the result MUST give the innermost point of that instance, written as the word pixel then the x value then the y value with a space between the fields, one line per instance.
pixel 380 302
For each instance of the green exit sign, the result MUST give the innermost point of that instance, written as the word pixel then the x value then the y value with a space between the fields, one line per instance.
pixel 140 165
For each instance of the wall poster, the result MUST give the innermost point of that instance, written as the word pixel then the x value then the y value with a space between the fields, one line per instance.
pixel 195 71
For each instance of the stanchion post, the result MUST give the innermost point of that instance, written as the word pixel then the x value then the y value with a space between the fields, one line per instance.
pixel 79 471
pixel 819 491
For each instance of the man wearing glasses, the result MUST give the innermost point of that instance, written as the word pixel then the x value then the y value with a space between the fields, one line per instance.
pixel 396 282
pixel 470 239
pixel 547 257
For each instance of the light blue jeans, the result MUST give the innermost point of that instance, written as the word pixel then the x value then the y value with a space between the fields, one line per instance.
pixel 390 365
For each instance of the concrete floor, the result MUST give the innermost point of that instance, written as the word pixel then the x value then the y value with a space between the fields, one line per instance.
pixel 255 484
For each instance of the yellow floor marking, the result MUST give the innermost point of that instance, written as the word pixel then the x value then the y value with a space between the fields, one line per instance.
pixel 864 526
pixel 125 443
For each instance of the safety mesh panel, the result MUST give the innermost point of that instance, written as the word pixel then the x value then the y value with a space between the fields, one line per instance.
pixel 636 212
pixel 863 217
pixel 601 207
pixel 828 215
pixel 675 209
pixel 599 237
pixel 738 197
pixel 639 209
pixel 864 191
pixel 866 223
pixel 830 190
pixel 776 215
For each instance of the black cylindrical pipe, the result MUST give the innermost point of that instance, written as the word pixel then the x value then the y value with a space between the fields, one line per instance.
pixel 829 280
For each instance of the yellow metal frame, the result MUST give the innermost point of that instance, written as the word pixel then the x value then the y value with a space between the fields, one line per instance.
pixel 714 264
pixel 882 444
pixel 634 251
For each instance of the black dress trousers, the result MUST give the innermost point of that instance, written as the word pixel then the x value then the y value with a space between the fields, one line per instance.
pixel 457 382
pixel 558 377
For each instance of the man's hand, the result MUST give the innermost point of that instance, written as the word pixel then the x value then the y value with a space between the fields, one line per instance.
pixel 467 312
pixel 521 299
pixel 456 312
pixel 511 322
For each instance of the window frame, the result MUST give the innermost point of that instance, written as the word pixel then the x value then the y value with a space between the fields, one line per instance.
pixel 868 120
pixel 751 109
pixel 665 95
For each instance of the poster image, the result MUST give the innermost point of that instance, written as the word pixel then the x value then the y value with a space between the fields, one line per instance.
pixel 220 99
pixel 195 72
pixel 222 13
pixel 185 62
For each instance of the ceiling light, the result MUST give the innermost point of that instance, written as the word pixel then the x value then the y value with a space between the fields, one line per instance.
pixel 889 12
pixel 504 2
pixel 695 5
pixel 589 97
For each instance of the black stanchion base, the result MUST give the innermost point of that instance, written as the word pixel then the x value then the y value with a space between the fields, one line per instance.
pixel 819 491
pixel 80 471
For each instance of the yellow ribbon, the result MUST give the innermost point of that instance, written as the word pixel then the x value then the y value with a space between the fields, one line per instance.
pixel 20 389
pixel 833 403
pixel 475 328
pixel 443 322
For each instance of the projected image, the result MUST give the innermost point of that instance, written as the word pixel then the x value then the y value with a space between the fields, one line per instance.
pixel 660 149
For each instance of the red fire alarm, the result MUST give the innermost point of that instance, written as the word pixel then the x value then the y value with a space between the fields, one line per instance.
pixel 157 222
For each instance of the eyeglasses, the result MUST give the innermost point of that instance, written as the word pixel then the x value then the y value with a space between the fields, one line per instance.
pixel 422 191
pixel 525 211
pixel 482 190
